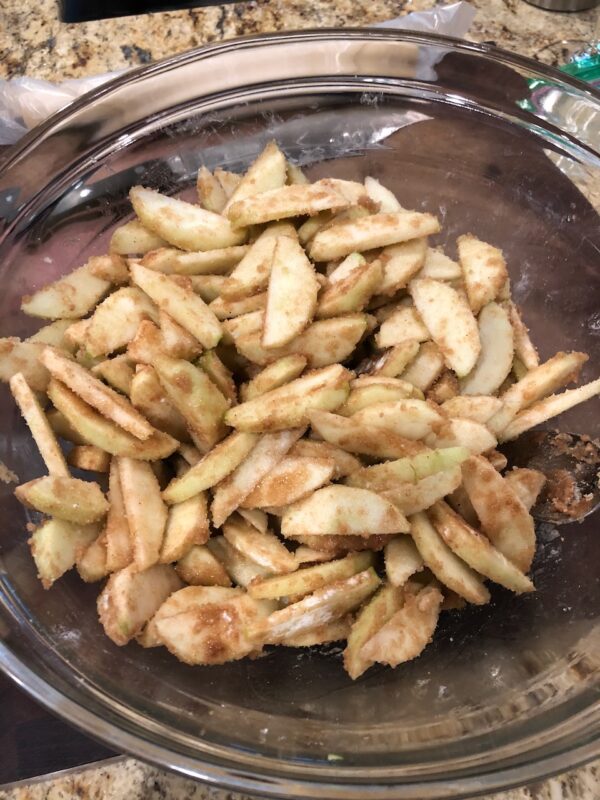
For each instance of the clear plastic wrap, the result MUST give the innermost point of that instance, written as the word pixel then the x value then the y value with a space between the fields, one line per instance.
pixel 25 102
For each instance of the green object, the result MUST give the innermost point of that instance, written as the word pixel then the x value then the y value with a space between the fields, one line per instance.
pixel 585 66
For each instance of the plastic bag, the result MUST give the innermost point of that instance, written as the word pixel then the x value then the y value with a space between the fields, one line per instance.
pixel 25 102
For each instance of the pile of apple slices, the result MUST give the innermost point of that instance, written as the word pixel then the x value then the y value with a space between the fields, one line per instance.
pixel 292 404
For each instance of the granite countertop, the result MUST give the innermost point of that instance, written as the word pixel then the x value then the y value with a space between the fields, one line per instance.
pixel 33 42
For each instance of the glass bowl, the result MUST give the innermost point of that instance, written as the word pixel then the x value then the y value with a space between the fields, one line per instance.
pixel 493 144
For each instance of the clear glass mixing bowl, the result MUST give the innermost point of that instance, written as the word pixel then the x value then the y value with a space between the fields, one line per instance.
pixel 506 693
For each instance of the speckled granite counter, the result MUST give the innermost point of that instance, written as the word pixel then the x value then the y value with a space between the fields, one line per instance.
pixel 33 42
pixel 126 779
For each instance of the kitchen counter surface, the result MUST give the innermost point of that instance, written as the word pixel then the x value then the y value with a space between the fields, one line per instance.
pixel 33 42
pixel 127 779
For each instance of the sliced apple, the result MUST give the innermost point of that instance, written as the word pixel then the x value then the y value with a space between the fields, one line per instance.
pixel 39 426
pixel 119 546
pixel 450 322
pixel 109 403
pixel 133 238
pixel 384 476
pixel 92 428
pixel 211 630
pixel 558 371
pixel 273 376
pixel 170 260
pixel 265 549
pixel 242 570
pixel 345 433
pixel 479 408
pixel 292 294
pixel 182 224
pixel 402 559
pixel 293 478
pixel 309 579
pixel 65 498
pixel 91 563
pixel 289 406
pixel 439 266
pixel 211 469
pixel 367 233
pixel 208 286
pixel 199 567
pixel 322 606
pixel 228 309
pixel 402 325
pixel 342 334
pixel 526 483
pixel 57 544
pixel 132 597
pixel 211 194
pixel 340 509
pixel 70 297
pixel 387 200
pixel 149 397
pixel 285 202
pixel 187 525
pixel 413 497
pixel 504 518
pixel 268 172
pixel 406 634
pixel 196 398
pixel 484 270
pixel 400 263
pixel 476 550
pixel 391 363
pixel 252 273
pixel 548 408
pixel 344 463
pixel 524 347
pixel 362 396
pixel 146 513
pixel 117 371
pixel 459 432
pixel 447 567
pixel 116 320
pixel 409 418
pixel 371 617
pixel 343 295
pixel 426 367
pixel 186 307
pixel 497 350
pixel 88 457
pixel 264 456
pixel 177 341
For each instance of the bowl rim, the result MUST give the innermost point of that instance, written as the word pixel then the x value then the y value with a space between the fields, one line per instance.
pixel 55 120
pixel 229 775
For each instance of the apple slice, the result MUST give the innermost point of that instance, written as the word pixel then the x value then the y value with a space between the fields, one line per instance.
pixel 504 518
pixel 344 510
pixel 367 233
pixel 292 294
pixel 497 351
pixel 476 550
pixel 447 567
pixel 290 405
pixel 287 201
pixel 450 322
pixel 484 270
pixel 182 224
